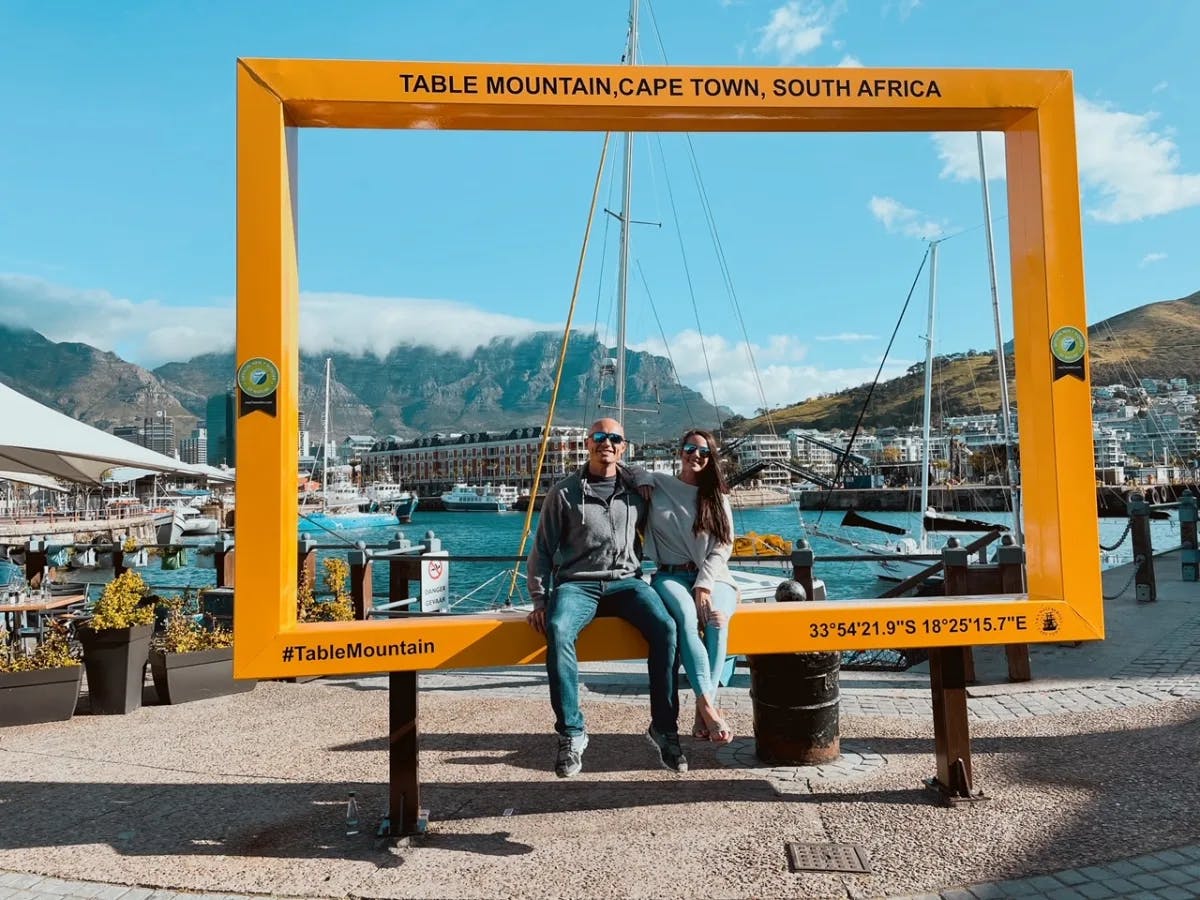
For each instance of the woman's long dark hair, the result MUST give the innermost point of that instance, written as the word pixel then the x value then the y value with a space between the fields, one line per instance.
pixel 710 511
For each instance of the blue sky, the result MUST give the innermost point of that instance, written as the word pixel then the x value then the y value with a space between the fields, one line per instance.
pixel 117 182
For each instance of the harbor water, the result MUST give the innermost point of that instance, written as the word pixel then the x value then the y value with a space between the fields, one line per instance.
pixel 480 586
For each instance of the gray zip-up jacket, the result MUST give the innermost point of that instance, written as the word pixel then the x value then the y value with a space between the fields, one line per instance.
pixel 582 538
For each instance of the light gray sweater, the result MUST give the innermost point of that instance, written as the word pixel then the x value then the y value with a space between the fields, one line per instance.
pixel 670 540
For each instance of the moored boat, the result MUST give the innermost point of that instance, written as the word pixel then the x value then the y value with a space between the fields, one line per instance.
pixel 480 498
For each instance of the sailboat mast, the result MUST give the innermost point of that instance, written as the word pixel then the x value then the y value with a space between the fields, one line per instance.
pixel 1001 362
pixel 325 434
pixel 927 412
pixel 626 189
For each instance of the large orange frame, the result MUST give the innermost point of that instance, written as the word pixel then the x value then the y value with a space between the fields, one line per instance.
pixel 1034 109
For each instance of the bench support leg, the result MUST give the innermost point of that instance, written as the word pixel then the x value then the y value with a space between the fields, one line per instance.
pixel 951 733
pixel 404 785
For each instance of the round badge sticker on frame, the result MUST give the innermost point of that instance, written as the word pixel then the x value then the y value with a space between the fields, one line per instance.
pixel 257 381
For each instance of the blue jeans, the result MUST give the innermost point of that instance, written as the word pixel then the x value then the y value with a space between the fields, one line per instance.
pixel 702 659
pixel 575 603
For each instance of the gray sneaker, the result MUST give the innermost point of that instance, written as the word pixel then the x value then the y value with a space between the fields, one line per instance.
pixel 669 752
pixel 570 755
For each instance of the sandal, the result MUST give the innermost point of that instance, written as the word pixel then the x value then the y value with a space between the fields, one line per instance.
pixel 700 731
pixel 720 732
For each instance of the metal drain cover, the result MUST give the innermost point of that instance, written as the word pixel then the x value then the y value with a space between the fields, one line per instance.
pixel 828 858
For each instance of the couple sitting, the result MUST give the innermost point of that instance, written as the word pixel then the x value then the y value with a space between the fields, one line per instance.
pixel 589 545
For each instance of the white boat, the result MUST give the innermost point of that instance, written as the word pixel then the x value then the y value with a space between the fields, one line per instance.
pixel 480 498
pixel 338 504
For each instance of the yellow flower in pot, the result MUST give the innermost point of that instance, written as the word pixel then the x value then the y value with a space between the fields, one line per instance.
pixel 38 686
pixel 191 661
pixel 116 644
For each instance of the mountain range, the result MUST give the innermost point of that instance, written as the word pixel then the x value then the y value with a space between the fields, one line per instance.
pixel 507 382
pixel 1156 340
pixel 413 390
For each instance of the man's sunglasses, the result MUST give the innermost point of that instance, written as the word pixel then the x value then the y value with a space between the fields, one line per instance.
pixel 599 437
pixel 704 452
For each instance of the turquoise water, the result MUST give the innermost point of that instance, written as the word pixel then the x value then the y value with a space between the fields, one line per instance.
pixel 475 586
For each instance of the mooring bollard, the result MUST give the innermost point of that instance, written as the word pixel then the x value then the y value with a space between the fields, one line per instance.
pixel 1189 553
pixel 796 695
pixel 1145 589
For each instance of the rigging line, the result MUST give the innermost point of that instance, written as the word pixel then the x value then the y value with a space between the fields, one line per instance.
pixel 653 309
pixel 687 274
pixel 709 220
pixel 1156 417
pixel 867 400
pixel 723 264
pixel 562 359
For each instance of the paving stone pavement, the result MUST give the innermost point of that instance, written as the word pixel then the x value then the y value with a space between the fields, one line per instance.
pixel 1155 660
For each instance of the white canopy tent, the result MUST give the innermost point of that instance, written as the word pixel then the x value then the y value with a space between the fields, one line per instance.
pixel 40 482
pixel 36 439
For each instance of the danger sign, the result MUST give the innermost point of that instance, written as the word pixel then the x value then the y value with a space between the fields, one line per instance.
pixel 435 583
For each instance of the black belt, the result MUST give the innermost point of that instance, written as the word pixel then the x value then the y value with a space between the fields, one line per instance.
pixel 672 568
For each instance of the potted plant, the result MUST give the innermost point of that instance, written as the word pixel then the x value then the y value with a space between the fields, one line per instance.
pixel 134 555
pixel 190 661
pixel 116 644
pixel 42 686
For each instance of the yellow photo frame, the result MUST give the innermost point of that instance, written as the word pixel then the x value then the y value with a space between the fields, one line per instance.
pixel 1034 109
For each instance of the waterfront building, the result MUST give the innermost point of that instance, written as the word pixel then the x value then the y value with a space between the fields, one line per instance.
pixel 194 449
pixel 435 462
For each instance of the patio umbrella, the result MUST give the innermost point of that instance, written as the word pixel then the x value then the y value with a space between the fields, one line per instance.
pixel 36 439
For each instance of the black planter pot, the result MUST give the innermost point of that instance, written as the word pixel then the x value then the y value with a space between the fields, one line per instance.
pixel 115 660
pixel 199 675
pixel 43 695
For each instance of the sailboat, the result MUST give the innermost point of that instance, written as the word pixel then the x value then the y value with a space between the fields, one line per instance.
pixel 336 506
pixel 891 566
pixel 753 587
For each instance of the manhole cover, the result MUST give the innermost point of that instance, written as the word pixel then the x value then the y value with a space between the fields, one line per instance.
pixel 827 858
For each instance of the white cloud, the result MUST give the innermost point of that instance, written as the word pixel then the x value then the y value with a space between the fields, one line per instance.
pixel 847 336
pixel 900 219
pixel 850 62
pixel 784 371
pixel 796 28
pixel 1159 88
pixel 959 153
pixel 151 333
pixel 1128 170
pixel 1151 258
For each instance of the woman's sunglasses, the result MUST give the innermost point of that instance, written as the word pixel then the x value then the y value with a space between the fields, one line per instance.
pixel 704 452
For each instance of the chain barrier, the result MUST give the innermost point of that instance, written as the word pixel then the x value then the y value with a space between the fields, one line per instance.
pixel 1137 567
pixel 1120 540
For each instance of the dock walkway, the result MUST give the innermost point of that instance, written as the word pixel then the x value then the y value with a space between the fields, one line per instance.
pixel 1089 772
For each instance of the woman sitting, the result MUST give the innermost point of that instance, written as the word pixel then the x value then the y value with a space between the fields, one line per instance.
pixel 691 536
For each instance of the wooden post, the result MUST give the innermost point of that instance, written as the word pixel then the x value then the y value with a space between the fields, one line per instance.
pixel 960 583
pixel 1012 581
pixel 118 553
pixel 404 782
pixel 400 570
pixel 361 591
pixel 948 685
pixel 802 566
pixel 223 561
pixel 306 561
pixel 1145 589
pixel 35 560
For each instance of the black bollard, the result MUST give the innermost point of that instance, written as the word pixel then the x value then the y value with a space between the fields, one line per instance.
pixel 1189 554
pixel 1145 589
pixel 795 695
